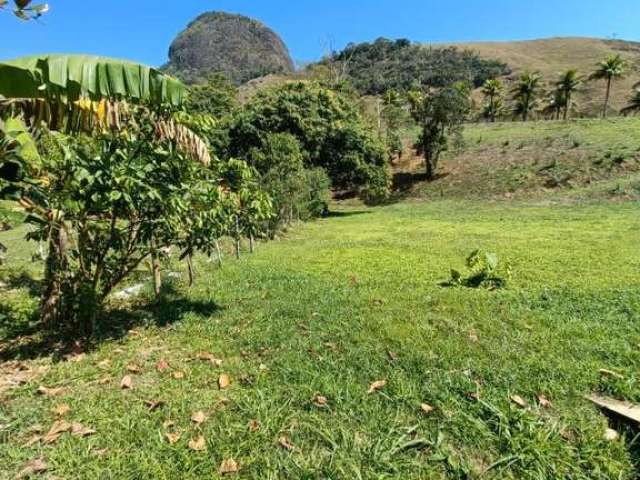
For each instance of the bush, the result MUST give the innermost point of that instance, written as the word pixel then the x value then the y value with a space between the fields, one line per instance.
pixel 483 272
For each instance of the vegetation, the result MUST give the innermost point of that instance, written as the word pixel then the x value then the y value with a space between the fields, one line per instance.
pixel 332 133
pixel 566 87
pixel 493 91
pixel 236 46
pixel 610 69
pixel 440 115
pixel 374 68
pixel 526 93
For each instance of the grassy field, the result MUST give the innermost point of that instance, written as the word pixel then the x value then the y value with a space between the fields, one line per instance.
pixel 326 311
pixel 551 161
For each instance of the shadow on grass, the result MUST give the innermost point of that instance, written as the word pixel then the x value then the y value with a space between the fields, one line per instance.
pixel 26 340
pixel 347 214
pixel 24 281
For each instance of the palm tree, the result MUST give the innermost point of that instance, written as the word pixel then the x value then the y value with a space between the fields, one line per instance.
pixel 568 83
pixel 526 93
pixel 554 104
pixel 634 102
pixel 493 90
pixel 610 69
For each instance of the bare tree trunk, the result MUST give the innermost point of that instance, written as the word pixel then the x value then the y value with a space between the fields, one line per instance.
pixel 191 270
pixel 606 98
pixel 155 268
pixel 219 253
pixel 237 237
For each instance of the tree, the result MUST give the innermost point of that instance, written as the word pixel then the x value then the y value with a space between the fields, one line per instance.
pixel 393 113
pixel 568 84
pixel 609 70
pixel 633 105
pixel 526 94
pixel 25 10
pixel 216 97
pixel 332 133
pixel 493 90
pixel 440 115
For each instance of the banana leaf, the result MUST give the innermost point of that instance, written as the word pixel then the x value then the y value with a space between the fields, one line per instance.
pixel 71 77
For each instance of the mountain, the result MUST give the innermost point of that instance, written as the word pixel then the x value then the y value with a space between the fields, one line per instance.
pixel 553 55
pixel 240 47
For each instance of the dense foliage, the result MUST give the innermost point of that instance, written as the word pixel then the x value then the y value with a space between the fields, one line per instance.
pixel 330 129
pixel 385 64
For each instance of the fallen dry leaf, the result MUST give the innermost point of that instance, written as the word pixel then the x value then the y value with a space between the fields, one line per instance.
pixel 262 367
pixel 393 356
pixel 518 400
pixel 34 466
pixel 178 375
pixel 104 380
pixel 254 426
pixel 162 365
pixel 126 383
pixel 100 452
pixel 79 430
pixel 32 441
pixel 198 444
pixel 544 401
pixel 286 444
pixel 375 386
pixel 610 373
pixel 473 336
pixel 320 401
pixel 168 423
pixel 228 466
pixel 224 381
pixel 56 431
pixel 51 392
pixel 426 408
pixel 61 410
pixel 133 368
pixel 173 438
pixel 154 405
pixel 199 417
pixel 209 357
pixel 104 364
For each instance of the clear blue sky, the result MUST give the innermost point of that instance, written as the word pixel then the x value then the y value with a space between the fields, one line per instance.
pixel 143 29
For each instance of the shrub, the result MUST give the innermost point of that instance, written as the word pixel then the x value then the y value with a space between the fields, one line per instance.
pixel 483 272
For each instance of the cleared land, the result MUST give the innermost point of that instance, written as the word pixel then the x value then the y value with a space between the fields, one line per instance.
pixel 336 305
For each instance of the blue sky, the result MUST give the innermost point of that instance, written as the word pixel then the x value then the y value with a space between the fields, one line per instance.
pixel 143 29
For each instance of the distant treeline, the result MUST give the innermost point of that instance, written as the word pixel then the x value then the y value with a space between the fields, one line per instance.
pixel 374 68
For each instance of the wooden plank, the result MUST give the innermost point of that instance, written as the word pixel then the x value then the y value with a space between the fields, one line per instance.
pixel 624 409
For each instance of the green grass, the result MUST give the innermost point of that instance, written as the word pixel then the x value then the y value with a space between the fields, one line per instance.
pixel 318 311
pixel 576 160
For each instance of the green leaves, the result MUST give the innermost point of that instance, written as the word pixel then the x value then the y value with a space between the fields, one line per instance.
pixel 71 77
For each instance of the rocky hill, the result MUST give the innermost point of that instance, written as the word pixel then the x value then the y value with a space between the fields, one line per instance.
pixel 238 46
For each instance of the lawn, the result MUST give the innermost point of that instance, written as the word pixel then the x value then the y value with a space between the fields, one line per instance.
pixel 327 310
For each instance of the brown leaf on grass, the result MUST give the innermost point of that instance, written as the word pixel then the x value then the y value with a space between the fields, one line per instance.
pixel 173 438
pixel 32 441
pixel 254 426
pixel 473 336
pixel 61 410
pixel 100 452
pixel 51 392
pixel 426 408
pixel 168 423
pixel 154 405
pixel 209 357
pixel 610 373
pixel 178 375
pixel 611 435
pixel 32 467
pixel 228 466
pixel 79 430
pixel 104 380
pixel 198 444
pixel 162 365
pixel 285 443
pixel 320 401
pixel 393 356
pixel 133 368
pixel 262 367
pixel 104 364
pixel 518 400
pixel 376 386
pixel 544 401
pixel 56 431
pixel 199 417
pixel 126 383
pixel 224 381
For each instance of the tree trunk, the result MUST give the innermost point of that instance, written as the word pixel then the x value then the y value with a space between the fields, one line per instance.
pixel 155 268
pixel 431 167
pixel 219 254
pixel 55 266
pixel 191 270
pixel 237 237
pixel 606 98
pixel 251 244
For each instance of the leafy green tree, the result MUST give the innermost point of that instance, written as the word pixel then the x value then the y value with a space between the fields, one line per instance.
pixel 332 133
pixel 567 85
pixel 609 70
pixel 217 97
pixel 394 115
pixel 440 114
pixel 526 93
pixel 493 91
